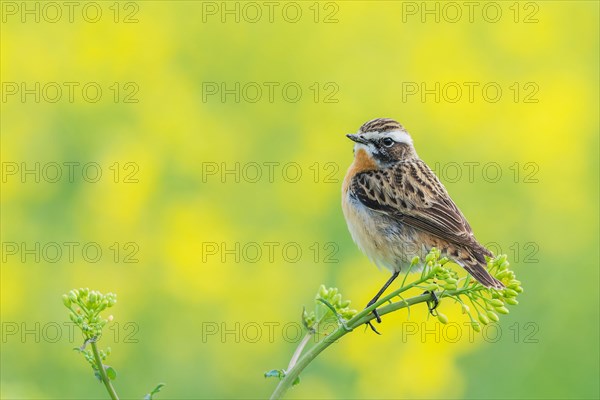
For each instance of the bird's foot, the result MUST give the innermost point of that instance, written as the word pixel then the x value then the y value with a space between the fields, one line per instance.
pixel 373 327
pixel 433 302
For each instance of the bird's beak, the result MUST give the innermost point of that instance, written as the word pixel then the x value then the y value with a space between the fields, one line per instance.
pixel 356 138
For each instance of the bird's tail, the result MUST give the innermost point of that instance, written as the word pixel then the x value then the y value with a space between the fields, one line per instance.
pixel 476 266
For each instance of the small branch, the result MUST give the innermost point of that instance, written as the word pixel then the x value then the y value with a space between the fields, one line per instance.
pixel 102 372
pixel 436 280
pixel 361 318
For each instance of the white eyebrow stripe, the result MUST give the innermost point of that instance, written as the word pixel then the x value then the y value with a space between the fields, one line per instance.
pixel 397 136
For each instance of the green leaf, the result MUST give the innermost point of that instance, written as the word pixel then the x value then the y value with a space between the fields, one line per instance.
pixel 296 381
pixel 154 391
pixel 111 373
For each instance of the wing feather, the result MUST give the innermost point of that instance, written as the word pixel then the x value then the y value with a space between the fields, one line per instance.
pixel 411 193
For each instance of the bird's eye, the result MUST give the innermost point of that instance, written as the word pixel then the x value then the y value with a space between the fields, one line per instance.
pixel 387 142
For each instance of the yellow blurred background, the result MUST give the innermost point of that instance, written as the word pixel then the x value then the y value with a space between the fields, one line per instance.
pixel 218 130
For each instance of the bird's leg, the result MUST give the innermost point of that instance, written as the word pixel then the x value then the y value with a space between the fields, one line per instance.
pixel 377 296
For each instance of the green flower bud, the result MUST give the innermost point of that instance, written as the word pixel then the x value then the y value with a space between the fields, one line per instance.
pixel 112 300
pixel 502 258
pixel 465 308
pixel 512 301
pixel 518 289
pixel 322 291
pixel 450 286
pixel 451 280
pixel 66 301
pixel 442 318
pixel 502 310
pixel 496 302
pixel 502 275
pixel 345 303
pixel 493 316
pixel 336 300
pixel 415 260
pixel 484 319
pixel 510 293
pixel 476 326
pixel 73 295
pixel 432 287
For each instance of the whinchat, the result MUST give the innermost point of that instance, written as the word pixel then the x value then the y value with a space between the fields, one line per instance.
pixel 396 207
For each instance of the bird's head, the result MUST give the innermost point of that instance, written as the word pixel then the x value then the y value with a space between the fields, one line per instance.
pixel 384 141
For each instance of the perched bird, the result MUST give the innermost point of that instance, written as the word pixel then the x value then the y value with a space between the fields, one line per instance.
pixel 396 208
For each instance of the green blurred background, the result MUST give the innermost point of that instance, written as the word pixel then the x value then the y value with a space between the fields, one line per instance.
pixel 209 328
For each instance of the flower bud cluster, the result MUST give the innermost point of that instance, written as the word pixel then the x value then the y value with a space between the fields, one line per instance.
pixel 325 297
pixel 490 301
pixel 85 306
pixel 441 276
pixel 445 278
pixel 487 303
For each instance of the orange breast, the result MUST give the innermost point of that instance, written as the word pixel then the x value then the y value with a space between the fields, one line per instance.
pixel 362 162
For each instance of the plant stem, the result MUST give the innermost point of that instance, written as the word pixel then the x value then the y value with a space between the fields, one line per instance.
pixel 359 319
pixel 109 387
pixel 299 350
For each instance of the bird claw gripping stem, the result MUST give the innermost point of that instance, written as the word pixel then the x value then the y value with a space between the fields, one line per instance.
pixel 433 303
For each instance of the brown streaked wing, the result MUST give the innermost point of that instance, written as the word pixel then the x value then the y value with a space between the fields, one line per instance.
pixel 411 193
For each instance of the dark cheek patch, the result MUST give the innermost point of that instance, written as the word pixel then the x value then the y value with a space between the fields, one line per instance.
pixel 383 155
